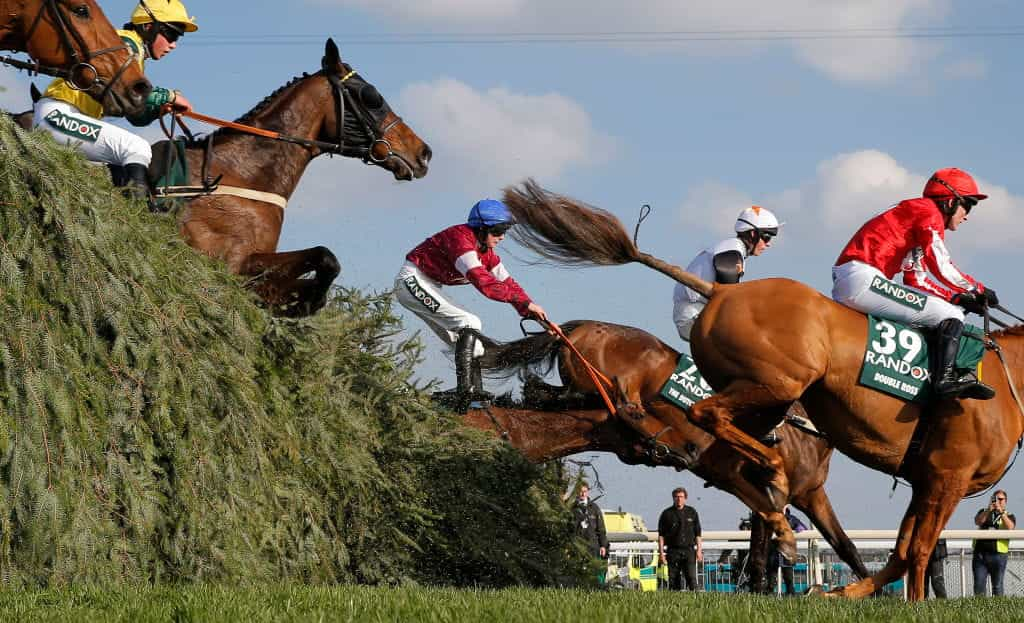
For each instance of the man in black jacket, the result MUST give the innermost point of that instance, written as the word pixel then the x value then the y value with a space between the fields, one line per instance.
pixel 588 522
pixel 679 542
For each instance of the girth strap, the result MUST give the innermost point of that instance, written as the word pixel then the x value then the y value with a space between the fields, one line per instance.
pixel 194 192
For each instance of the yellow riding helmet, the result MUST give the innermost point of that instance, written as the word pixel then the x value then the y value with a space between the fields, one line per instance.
pixel 164 11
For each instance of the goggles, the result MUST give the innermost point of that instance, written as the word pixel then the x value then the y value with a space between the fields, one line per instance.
pixel 169 32
pixel 968 203
pixel 499 229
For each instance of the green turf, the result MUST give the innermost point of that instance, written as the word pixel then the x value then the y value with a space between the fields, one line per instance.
pixel 367 605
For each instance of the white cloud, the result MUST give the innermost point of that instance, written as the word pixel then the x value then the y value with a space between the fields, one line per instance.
pixel 481 140
pixel 846 191
pixel 827 35
pixel 500 135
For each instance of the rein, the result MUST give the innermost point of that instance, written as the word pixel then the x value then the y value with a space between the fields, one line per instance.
pixel 600 380
pixel 332 148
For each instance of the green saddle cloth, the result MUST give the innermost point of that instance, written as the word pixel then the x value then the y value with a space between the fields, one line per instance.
pixel 896 358
pixel 169 171
pixel 686 386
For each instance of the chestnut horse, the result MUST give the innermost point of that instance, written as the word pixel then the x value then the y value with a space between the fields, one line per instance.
pixel 642 363
pixel 764 344
pixel 257 175
pixel 77 42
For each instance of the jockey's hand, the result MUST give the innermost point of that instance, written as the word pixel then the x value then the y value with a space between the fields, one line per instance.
pixel 537 312
pixel 990 297
pixel 970 302
pixel 181 103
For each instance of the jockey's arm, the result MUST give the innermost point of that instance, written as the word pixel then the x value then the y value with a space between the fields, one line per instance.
pixel 938 262
pixel 154 103
pixel 728 267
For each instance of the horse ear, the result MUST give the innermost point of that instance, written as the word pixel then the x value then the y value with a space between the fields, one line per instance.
pixel 332 58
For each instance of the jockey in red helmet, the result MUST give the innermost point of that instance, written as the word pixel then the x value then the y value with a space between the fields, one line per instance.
pixel 910 238
pixel 460 255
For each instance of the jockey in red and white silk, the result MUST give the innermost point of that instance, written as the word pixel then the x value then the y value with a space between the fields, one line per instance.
pixel 910 239
pixel 453 257
pixel 460 255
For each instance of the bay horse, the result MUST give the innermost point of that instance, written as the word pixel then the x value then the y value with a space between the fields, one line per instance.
pixel 766 343
pixel 641 363
pixel 74 40
pixel 332 111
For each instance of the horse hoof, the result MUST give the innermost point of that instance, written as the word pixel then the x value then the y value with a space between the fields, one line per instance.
pixel 817 590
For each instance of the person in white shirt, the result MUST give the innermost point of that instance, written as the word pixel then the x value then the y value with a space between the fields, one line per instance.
pixel 724 263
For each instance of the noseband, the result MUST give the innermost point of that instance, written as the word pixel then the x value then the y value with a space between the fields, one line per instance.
pixel 69 36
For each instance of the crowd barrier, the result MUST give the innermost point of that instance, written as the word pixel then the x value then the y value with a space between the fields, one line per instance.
pixel 633 564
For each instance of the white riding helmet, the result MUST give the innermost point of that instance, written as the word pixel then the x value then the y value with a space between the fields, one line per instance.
pixel 756 217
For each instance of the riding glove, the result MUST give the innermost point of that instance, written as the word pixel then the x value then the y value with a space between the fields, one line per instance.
pixel 970 302
pixel 990 297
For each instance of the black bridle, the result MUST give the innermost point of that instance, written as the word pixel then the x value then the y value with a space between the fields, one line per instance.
pixel 81 64
pixel 368 122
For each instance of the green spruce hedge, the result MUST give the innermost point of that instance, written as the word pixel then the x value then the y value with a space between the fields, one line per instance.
pixel 156 425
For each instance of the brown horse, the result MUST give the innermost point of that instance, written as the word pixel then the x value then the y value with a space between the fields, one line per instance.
pixel 75 41
pixel 332 111
pixel 642 363
pixel 764 344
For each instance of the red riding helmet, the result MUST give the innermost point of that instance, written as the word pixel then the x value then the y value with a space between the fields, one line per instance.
pixel 950 183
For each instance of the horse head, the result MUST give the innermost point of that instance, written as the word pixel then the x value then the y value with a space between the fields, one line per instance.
pixel 369 130
pixel 665 436
pixel 78 39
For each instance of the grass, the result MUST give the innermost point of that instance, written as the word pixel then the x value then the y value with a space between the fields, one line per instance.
pixel 370 605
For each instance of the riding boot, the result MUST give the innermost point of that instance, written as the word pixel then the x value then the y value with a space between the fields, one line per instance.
pixel 947 381
pixel 464 368
pixel 136 185
pixel 478 382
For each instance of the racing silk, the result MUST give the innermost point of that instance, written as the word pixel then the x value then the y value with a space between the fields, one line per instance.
pixel 910 238
pixel 452 257
pixel 59 89
pixel 704 267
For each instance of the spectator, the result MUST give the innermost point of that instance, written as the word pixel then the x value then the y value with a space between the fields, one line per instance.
pixel 777 560
pixel 679 542
pixel 588 522
pixel 933 573
pixel 990 554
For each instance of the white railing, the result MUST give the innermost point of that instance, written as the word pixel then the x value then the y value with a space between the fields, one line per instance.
pixel 818 564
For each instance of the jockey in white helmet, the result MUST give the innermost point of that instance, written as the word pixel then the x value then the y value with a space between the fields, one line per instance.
pixel 724 263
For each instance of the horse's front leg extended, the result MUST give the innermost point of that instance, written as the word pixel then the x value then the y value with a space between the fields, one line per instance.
pixel 278 278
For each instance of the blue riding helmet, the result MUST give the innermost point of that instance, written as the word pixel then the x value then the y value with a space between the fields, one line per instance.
pixel 488 213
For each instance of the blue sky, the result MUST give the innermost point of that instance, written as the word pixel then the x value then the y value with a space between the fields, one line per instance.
pixel 824 112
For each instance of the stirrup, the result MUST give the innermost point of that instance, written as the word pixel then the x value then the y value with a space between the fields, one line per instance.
pixel 978 390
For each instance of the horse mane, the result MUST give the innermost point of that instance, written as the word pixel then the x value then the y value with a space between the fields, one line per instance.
pixel 1015 331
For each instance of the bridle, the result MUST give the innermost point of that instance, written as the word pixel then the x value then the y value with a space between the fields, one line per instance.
pixel 343 96
pixel 81 64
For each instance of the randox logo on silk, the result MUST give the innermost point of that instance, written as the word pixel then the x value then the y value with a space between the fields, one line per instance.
pixel 421 295
pixel 74 127
pixel 902 295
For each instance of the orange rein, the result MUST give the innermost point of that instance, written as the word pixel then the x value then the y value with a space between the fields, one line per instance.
pixel 599 379
pixel 248 129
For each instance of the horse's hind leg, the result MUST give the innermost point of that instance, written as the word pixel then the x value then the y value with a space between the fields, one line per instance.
pixel 278 278
pixel 818 507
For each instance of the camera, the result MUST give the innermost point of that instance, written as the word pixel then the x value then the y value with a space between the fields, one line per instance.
pixel 994 517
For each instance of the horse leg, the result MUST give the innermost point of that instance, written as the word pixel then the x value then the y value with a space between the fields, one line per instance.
pixel 720 465
pixel 278 279
pixel 818 507
pixel 757 559
pixel 716 415
pixel 930 508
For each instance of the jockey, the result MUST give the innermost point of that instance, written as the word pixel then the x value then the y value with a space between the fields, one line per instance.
pixel 723 263
pixel 460 255
pixel 910 238
pixel 73 116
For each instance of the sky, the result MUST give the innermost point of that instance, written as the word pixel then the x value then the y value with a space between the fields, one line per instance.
pixel 825 112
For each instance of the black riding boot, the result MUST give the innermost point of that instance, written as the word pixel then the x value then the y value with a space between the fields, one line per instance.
pixel 947 381
pixel 136 185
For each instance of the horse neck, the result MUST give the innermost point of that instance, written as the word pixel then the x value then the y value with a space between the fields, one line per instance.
pixel 270 165
pixel 541 435
pixel 1012 345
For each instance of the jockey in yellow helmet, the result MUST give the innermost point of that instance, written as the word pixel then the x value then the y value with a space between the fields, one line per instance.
pixel 73 116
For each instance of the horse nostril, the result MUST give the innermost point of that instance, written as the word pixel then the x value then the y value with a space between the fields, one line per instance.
pixel 426 154
pixel 141 88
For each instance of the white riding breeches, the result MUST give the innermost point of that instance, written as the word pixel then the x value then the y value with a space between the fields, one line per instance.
pixel 864 288
pixel 684 314
pixel 99 141
pixel 422 296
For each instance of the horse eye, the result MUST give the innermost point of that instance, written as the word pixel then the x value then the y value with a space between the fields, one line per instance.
pixel 371 97
pixel 82 10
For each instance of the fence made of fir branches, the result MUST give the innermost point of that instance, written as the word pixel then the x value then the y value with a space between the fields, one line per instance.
pixel 156 425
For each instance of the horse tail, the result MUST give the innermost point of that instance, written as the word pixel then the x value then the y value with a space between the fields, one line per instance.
pixel 534 351
pixel 566 231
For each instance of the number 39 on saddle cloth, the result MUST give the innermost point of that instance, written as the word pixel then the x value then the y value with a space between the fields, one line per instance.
pixel 896 358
